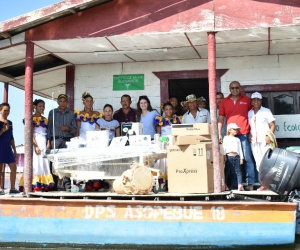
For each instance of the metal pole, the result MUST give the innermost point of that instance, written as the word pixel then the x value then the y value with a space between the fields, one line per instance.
pixel 5 99
pixel 5 92
pixel 211 40
pixel 29 65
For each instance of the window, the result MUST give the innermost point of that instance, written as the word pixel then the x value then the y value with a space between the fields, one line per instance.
pixel 281 103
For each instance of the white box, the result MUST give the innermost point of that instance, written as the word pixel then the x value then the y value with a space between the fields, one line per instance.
pixel 132 128
pixel 97 139
pixel 142 140
pixel 119 141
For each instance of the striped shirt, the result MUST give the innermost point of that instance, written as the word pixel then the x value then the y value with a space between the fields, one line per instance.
pixel 66 118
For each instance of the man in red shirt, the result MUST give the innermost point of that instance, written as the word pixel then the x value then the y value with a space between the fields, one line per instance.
pixel 235 109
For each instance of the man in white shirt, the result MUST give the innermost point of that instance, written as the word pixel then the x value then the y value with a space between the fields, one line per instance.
pixel 195 114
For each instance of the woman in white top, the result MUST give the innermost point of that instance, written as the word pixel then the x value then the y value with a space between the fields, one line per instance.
pixel 42 179
pixel 108 123
pixel 86 119
pixel 146 114
pixel 262 124
pixel 233 156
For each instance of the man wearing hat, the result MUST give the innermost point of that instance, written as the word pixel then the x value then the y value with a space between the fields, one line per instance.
pixel 194 114
pixel 64 128
pixel 235 109
pixel 262 127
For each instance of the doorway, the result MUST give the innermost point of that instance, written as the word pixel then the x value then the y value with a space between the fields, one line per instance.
pixel 181 88
pixel 168 76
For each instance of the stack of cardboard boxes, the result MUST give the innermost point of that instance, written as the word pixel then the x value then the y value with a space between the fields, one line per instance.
pixel 190 159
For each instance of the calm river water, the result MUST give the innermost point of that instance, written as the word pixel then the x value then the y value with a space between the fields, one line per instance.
pixel 295 247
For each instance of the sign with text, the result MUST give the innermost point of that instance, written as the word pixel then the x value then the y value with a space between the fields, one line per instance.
pixel 128 82
pixel 287 126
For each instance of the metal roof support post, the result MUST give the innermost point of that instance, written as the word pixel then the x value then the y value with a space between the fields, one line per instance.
pixel 70 79
pixel 211 41
pixel 5 99
pixel 29 64
pixel 5 92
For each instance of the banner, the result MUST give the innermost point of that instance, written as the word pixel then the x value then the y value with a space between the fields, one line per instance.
pixel 287 126
pixel 128 82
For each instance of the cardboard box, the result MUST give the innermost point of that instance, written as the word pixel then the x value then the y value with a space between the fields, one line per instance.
pixel 190 169
pixel 191 129
pixel 97 139
pixel 132 128
pixel 190 139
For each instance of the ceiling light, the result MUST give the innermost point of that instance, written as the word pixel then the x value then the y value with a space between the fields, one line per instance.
pixel 122 52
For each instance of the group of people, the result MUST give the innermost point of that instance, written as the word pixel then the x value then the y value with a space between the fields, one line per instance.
pixel 68 124
pixel 250 133
pixel 242 115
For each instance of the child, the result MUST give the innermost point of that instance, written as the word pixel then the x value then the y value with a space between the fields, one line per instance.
pixel 107 122
pixel 233 155
pixel 163 124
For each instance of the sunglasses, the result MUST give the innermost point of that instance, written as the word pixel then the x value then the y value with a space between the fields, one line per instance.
pixel 234 87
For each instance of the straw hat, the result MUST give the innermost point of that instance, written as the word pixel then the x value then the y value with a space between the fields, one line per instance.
pixel 190 98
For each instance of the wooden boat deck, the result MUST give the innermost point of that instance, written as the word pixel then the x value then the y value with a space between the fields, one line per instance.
pixel 223 196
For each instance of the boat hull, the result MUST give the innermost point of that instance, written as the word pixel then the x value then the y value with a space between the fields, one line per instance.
pixel 108 222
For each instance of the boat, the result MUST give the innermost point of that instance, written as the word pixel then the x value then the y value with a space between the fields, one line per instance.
pixel 57 219
pixel 86 219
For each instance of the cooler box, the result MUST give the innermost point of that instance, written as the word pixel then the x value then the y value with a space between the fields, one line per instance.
pixel 97 139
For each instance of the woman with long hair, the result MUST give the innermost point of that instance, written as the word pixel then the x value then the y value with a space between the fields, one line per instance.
pixel 8 152
pixel 86 119
pixel 146 114
pixel 42 179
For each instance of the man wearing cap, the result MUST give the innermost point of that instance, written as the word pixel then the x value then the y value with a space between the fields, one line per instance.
pixel 64 128
pixel 235 109
pixel 126 113
pixel 262 127
pixel 194 114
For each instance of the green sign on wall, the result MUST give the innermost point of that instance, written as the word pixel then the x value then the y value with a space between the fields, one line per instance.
pixel 128 82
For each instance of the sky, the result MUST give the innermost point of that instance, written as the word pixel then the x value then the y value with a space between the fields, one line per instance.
pixel 10 9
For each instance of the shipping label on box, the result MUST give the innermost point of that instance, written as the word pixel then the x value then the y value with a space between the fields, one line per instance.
pixel 190 169
pixel 191 129
pixel 190 139
pixel 132 128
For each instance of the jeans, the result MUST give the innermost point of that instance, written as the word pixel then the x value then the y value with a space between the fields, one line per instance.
pixel 233 169
pixel 248 159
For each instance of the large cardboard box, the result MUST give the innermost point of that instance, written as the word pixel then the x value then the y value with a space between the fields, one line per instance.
pixel 190 169
pixel 190 139
pixel 191 129
pixel 132 128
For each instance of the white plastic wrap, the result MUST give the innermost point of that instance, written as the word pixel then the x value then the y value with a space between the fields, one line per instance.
pixel 101 163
